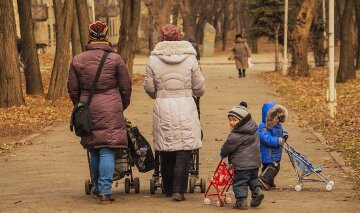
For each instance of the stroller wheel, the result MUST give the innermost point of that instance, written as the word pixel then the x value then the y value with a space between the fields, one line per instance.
pixel 227 200
pixel 127 185
pixel 328 187
pixel 203 185
pixel 207 201
pixel 219 203
pixel 331 182
pixel 137 185
pixel 192 181
pixel 298 188
pixel 152 186
pixel 88 187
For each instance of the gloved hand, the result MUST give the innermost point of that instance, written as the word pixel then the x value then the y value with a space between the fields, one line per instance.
pixel 222 155
pixel 285 136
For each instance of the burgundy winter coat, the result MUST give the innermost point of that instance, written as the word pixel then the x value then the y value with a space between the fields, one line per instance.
pixel 111 97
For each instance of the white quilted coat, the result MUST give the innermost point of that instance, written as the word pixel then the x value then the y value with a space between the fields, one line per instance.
pixel 172 77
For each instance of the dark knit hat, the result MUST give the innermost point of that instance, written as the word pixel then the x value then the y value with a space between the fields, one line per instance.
pixel 243 103
pixel 239 112
pixel 170 32
pixel 98 31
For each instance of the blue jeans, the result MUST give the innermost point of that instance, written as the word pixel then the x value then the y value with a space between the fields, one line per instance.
pixel 102 169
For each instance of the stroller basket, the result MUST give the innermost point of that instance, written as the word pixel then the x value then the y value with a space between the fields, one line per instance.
pixel 303 169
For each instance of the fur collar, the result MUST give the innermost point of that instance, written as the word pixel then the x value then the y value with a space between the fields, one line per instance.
pixel 173 48
pixel 277 111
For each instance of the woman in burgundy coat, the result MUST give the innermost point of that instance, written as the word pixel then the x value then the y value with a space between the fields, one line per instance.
pixel 111 98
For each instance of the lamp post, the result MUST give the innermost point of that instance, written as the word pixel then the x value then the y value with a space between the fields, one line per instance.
pixel 285 61
pixel 331 93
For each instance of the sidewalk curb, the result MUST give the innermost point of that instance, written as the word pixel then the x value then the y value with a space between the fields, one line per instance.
pixel 335 155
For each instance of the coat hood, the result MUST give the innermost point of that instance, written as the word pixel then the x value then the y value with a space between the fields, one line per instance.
pixel 246 126
pixel 270 111
pixel 173 52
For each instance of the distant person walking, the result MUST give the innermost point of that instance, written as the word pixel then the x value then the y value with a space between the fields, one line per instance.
pixel 241 53
pixel 110 99
pixel 172 77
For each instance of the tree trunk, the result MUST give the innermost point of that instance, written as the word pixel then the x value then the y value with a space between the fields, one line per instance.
pixel 33 78
pixel 188 9
pixel 175 13
pixel 160 11
pixel 318 37
pixel 299 39
pixel 254 45
pixel 82 11
pixel 75 36
pixel 346 69
pixel 10 78
pixel 63 18
pixel 206 15
pixel 237 12
pixel 357 8
pixel 227 25
pixel 130 19
pixel 277 62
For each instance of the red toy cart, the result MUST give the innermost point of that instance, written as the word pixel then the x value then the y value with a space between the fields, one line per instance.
pixel 221 182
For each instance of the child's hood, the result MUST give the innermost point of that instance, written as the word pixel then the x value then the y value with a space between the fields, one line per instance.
pixel 270 111
pixel 246 126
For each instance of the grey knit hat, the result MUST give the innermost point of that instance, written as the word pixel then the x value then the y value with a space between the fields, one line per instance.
pixel 239 112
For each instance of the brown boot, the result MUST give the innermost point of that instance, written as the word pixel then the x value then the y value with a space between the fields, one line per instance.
pixel 178 196
pixel 106 199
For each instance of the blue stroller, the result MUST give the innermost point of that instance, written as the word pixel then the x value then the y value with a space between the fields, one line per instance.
pixel 303 169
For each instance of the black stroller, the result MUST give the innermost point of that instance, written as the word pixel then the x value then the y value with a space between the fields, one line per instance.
pixel 122 168
pixel 139 153
pixel 194 179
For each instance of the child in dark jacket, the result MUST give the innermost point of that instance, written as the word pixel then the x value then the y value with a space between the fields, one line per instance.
pixel 272 137
pixel 243 148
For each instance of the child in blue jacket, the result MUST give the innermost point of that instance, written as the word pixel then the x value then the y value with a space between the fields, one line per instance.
pixel 272 137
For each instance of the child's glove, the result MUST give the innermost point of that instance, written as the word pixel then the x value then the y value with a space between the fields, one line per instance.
pixel 285 136
pixel 222 155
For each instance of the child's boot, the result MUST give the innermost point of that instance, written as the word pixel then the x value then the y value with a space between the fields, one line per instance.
pixel 241 203
pixel 256 197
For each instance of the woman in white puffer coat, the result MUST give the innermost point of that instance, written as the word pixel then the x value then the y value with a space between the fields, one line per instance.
pixel 172 77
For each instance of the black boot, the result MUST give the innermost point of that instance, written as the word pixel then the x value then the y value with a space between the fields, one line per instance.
pixel 240 73
pixel 244 73
pixel 241 203
pixel 256 197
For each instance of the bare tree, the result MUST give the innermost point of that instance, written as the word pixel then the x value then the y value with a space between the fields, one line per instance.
pixel 33 79
pixel 159 12
pixel 63 17
pixel 130 19
pixel 346 67
pixel 299 38
pixel 207 11
pixel 10 78
pixel 75 36
pixel 189 10
pixel 227 21
pixel 357 9
pixel 82 11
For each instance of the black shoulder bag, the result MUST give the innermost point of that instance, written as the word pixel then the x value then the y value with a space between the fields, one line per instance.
pixel 80 116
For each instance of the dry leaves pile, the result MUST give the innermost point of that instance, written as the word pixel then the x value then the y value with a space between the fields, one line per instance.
pixel 306 96
pixel 17 122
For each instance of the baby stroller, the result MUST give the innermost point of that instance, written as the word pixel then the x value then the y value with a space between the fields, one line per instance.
pixel 122 168
pixel 194 180
pixel 221 182
pixel 303 169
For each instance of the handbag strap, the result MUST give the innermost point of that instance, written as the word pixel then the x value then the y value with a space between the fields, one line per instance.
pixel 96 79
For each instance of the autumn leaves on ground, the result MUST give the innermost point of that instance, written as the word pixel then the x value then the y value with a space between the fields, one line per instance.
pixel 303 95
